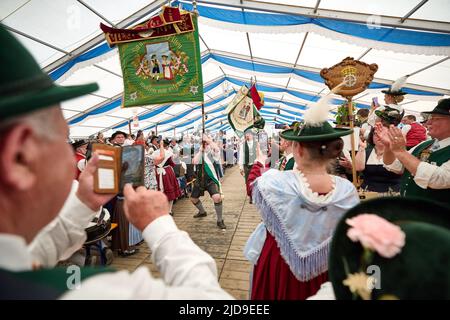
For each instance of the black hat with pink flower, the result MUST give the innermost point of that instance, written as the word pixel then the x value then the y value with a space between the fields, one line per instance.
pixel 392 248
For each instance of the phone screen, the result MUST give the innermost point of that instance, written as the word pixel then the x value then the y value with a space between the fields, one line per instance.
pixel 375 101
pixel 132 166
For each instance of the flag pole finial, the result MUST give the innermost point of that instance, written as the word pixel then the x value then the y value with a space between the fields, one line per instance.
pixel 194 6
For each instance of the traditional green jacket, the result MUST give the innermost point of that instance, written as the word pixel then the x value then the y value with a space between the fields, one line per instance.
pixel 43 283
pixel 410 188
pixel 289 164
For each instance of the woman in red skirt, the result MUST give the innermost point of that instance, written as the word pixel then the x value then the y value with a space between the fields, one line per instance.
pixel 299 210
pixel 165 176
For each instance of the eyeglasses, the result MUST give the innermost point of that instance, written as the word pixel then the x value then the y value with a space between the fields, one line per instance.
pixel 436 117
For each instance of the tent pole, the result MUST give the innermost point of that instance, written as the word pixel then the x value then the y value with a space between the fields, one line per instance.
pixel 129 126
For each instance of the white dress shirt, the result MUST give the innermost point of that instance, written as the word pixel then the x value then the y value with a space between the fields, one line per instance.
pixel 289 156
pixel 54 243
pixel 325 292
pixel 187 271
pixel 428 175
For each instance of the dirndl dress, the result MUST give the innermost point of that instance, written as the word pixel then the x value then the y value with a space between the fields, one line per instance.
pixel 167 181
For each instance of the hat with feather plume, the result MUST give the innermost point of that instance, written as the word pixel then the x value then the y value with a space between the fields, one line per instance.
pixel 315 126
pixel 396 87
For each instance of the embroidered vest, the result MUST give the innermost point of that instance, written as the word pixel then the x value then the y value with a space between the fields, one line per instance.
pixel 249 157
pixel 410 188
pixel 43 283
pixel 415 135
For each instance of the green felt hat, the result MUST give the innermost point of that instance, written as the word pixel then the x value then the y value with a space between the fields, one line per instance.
pixel 443 108
pixel 24 87
pixel 315 126
pixel 390 114
pixel 421 270
pixel 304 133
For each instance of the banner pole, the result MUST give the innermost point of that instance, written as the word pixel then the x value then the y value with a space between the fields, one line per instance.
pixel 352 141
pixel 202 183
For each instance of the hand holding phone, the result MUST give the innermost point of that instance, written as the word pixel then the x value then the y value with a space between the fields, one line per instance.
pixel 118 166
pixel 375 102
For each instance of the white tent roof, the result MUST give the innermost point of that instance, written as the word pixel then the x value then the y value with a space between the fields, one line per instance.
pixel 284 58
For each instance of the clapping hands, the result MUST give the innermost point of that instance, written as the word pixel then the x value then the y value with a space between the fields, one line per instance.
pixel 397 140
pixel 382 134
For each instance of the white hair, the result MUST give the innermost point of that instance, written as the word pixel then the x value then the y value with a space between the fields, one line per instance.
pixel 42 121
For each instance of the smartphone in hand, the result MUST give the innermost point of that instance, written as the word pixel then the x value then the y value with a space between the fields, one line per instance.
pixel 375 102
pixel 118 166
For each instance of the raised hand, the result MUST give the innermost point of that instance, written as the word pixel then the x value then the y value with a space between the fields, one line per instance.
pixel 260 156
pixel 362 144
pixel 143 206
pixel 397 140
pixel 344 162
pixel 382 134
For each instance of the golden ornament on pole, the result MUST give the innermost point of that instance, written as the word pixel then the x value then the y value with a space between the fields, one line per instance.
pixel 356 76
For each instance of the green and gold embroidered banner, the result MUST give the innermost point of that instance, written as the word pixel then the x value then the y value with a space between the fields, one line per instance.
pixel 162 69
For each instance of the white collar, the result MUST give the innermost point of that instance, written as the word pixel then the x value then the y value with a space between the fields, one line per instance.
pixel 289 156
pixel 13 253
pixel 444 143
pixel 373 159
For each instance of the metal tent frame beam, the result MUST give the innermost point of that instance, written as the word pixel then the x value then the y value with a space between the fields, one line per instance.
pixel 402 20
pixel 385 21
pixel 149 109
pixel 154 6
pixel 305 68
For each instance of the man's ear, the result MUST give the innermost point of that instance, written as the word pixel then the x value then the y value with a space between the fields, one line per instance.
pixel 19 152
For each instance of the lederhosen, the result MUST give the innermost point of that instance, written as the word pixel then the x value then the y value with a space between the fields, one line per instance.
pixel 203 183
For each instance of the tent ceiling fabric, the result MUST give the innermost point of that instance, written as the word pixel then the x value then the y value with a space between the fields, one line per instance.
pixel 283 43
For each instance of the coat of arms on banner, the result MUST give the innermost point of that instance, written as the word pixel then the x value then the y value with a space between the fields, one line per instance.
pixel 242 111
pixel 160 59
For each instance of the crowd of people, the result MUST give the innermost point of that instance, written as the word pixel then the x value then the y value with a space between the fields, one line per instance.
pixel 316 240
pixel 169 166
pixel 302 204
